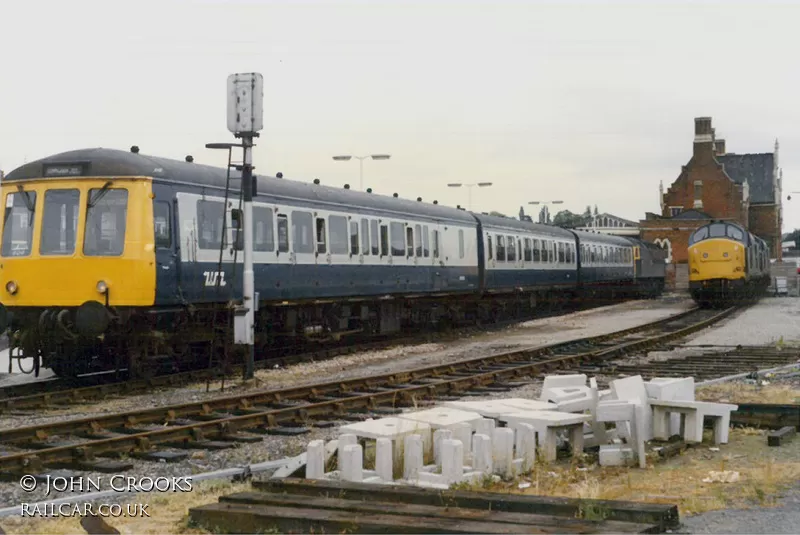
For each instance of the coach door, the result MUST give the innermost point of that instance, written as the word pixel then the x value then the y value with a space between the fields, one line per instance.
pixel 166 250
pixel 637 262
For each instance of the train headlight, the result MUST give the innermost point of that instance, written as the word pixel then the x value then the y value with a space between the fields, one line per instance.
pixel 11 287
pixel 725 255
pixel 102 287
pixel 705 255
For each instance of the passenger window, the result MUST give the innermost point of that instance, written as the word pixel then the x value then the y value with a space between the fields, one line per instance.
pixel 322 245
pixel 398 239
pixel 106 218
pixel 365 237
pixel 283 233
pixel 409 241
pixel 511 254
pixel 60 221
pixel 501 249
pixel 384 240
pixel 264 235
pixel 209 222
pixel 161 222
pixel 528 254
pixel 461 243
pixel 338 231
pixel 353 237
pixel 436 244
pixel 426 241
pixel 536 254
pixel 302 232
pixel 489 246
pixel 561 257
pixel 373 236
pixel 418 236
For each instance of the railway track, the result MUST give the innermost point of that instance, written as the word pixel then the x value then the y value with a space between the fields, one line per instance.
pixel 222 422
pixel 58 392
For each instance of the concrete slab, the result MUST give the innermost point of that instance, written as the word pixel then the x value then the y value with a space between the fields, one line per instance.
pixel 633 389
pixel 539 419
pixel 391 428
pixel 442 417
pixel 497 407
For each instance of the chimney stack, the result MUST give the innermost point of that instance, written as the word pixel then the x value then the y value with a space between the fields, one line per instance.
pixel 703 137
pixel 719 147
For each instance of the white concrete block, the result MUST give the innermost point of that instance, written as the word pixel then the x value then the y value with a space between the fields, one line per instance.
pixel 383 459
pixel 412 457
pixel 352 468
pixel 482 453
pixel 672 389
pixel 616 455
pixel 540 419
pixel 485 426
pixel 438 436
pixel 442 417
pixel 345 440
pixel 463 433
pixel 315 462
pixel 560 381
pixel 452 460
pixel 526 449
pixel 633 389
pixel 503 450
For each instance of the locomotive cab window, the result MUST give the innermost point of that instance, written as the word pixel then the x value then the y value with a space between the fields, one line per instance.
pixel 735 233
pixel 716 230
pixel 699 235
pixel 18 223
pixel 60 222
pixel 106 215
pixel 161 223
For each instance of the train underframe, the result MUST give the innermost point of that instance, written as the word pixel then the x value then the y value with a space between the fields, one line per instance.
pixel 722 293
pixel 141 342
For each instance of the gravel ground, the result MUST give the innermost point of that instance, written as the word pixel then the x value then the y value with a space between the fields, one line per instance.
pixel 767 322
pixel 532 333
pixel 782 519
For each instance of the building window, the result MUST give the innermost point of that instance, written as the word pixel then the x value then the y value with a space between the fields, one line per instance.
pixel 675 210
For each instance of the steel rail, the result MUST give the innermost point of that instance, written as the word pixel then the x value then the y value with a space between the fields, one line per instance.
pixel 220 426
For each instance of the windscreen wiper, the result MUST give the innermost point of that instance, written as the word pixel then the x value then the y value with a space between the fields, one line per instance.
pixel 99 195
pixel 26 198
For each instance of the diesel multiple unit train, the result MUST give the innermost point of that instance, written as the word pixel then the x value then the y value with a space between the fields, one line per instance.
pixel 113 259
pixel 727 264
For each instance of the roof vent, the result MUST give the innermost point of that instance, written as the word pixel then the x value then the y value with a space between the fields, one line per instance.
pixel 279 175
pixel 419 199
pixel 190 158
pixel 394 195
pixel 458 207
pixel 135 149
pixel 369 190
pixel 316 181
pixel 435 202
pixel 347 186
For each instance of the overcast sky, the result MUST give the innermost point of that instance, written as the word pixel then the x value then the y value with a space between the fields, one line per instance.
pixel 589 103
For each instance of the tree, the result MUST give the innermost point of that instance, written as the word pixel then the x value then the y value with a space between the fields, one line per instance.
pixel 793 236
pixel 588 211
pixel 567 219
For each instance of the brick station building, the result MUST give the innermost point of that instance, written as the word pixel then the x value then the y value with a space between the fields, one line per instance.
pixel 714 184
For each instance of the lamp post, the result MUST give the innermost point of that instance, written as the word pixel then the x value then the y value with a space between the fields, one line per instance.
pixel 545 203
pixel 469 189
pixel 361 164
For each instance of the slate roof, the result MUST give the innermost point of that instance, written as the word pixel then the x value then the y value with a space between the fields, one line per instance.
pixel 691 214
pixel 756 170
